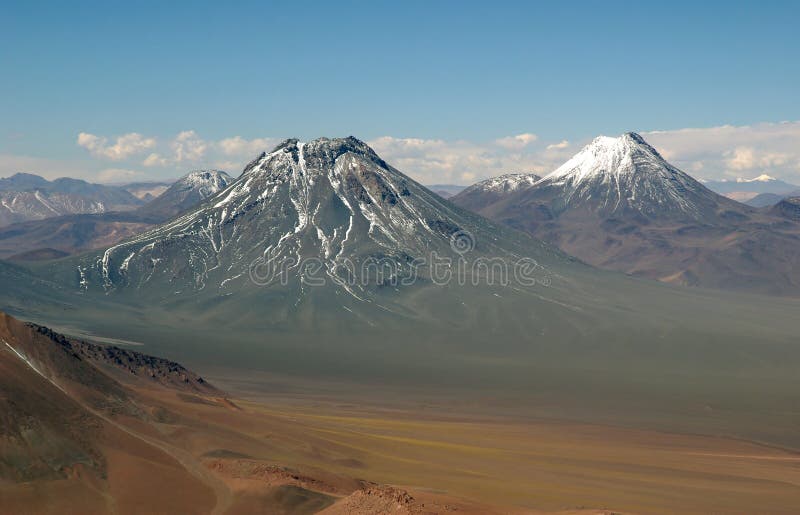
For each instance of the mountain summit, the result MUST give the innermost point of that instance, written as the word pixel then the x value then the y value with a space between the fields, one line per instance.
pixel 185 193
pixel 626 175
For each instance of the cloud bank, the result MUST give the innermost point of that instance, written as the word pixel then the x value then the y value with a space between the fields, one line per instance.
pixel 713 153
pixel 732 152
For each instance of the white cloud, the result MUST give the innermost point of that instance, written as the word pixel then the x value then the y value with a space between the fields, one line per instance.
pixel 708 153
pixel 240 147
pixel 188 146
pixel 124 146
pixel 428 160
pixel 733 152
pixel 555 146
pixel 433 161
pixel 741 158
pixel 517 142
pixel 155 160
pixel 184 151
pixel 748 158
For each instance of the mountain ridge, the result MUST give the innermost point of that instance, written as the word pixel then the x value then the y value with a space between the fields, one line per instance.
pixel 25 197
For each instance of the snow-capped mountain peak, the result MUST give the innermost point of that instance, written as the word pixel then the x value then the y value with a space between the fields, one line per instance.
pixel 206 182
pixel 761 178
pixel 187 192
pixel 610 156
pixel 612 175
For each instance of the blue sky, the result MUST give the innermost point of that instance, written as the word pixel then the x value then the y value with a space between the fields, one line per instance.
pixel 460 73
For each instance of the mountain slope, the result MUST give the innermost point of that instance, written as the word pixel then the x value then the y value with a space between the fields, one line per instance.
pixel 618 204
pixel 445 190
pixel 788 208
pixel 69 234
pixel 65 406
pixel 489 191
pixel 30 197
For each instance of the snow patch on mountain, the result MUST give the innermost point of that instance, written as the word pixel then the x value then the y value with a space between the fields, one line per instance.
pixel 761 178
pixel 206 182
pixel 506 183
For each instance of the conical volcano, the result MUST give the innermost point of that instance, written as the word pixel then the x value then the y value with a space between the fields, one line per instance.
pixel 625 176
pixel 327 211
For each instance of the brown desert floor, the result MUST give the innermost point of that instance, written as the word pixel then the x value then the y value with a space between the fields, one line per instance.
pixel 317 451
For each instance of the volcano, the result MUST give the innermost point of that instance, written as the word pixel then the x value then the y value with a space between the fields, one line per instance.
pixel 618 204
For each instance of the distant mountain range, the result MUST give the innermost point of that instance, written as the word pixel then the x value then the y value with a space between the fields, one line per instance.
pixel 445 190
pixel 59 236
pixel 770 199
pixel 747 190
pixel 618 204
pixel 147 191
pixel 26 197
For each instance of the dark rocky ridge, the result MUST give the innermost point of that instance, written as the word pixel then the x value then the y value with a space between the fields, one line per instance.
pixel 159 370
pixel 26 197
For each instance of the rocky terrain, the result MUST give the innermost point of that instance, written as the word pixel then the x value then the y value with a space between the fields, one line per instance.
pixel 150 368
